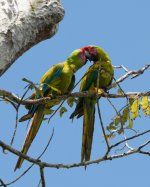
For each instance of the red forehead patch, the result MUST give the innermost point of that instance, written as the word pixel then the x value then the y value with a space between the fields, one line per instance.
pixel 87 48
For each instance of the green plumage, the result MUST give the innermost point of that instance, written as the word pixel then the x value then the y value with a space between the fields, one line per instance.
pixel 99 75
pixel 59 79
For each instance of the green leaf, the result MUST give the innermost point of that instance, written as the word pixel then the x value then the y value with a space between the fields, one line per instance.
pixel 147 111
pixel 110 136
pixel 120 131
pixel 145 103
pixel 111 127
pixel 131 100
pixel 135 108
pixel 62 111
pixel 117 120
pixel 71 101
pixel 135 114
pixel 48 111
pixel 120 91
pixel 126 112
pixel 125 115
pixel 130 124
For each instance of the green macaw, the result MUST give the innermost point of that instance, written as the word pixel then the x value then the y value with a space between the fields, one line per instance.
pixel 59 79
pixel 98 76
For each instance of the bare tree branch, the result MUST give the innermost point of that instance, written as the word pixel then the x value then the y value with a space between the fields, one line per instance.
pixel 102 125
pixel 130 73
pixel 46 147
pixel 130 138
pixel 15 99
pixel 2 183
pixel 144 153
pixel 17 110
pixel 5 94
pixel 104 158
pixel 42 176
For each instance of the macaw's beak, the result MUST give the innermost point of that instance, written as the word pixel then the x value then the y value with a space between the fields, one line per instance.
pixel 88 56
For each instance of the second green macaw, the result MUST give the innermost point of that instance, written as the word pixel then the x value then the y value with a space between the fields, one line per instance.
pixel 98 76
pixel 59 79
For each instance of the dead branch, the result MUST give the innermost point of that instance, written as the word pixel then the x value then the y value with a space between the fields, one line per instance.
pixel 2 183
pixel 26 171
pixel 104 158
pixel 6 95
pixel 42 176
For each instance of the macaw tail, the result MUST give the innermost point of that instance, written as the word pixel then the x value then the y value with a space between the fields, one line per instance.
pixel 25 117
pixel 88 128
pixel 78 112
pixel 32 131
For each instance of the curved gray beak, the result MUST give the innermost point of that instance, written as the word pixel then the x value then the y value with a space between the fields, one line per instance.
pixel 88 55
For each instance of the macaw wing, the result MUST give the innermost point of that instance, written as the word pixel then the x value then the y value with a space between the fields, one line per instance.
pixel 89 78
pixel 51 75
pixel 87 81
pixel 71 86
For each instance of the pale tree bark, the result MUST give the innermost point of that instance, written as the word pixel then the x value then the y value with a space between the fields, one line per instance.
pixel 24 23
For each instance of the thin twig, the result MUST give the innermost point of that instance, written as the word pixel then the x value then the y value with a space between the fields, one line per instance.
pixel 39 183
pixel 102 125
pixel 130 73
pixel 104 158
pixel 56 111
pixel 130 138
pixel 145 144
pixel 9 101
pixel 141 71
pixel 42 176
pixel 122 67
pixel 17 110
pixel 126 142
pixel 47 145
pixel 144 152
pixel 2 183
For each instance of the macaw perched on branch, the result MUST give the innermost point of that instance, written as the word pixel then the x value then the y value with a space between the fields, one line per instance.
pixel 98 76
pixel 59 79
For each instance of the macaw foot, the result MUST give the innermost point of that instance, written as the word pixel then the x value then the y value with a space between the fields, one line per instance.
pixel 100 91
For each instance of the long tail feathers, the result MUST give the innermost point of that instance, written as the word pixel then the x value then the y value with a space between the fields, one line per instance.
pixel 88 128
pixel 33 129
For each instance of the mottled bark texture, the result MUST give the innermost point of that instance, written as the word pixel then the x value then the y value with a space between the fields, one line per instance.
pixel 24 23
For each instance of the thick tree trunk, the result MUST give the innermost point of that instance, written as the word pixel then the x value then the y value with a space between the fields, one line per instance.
pixel 24 23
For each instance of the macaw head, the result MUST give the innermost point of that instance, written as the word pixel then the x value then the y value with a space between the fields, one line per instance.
pixel 94 53
pixel 77 59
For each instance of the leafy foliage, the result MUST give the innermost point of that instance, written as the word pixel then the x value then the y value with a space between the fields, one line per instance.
pixel 135 108
pixel 71 101
pixel 129 113
pixel 145 106
pixel 62 111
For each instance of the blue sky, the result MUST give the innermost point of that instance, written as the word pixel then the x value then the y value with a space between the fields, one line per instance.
pixel 122 29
